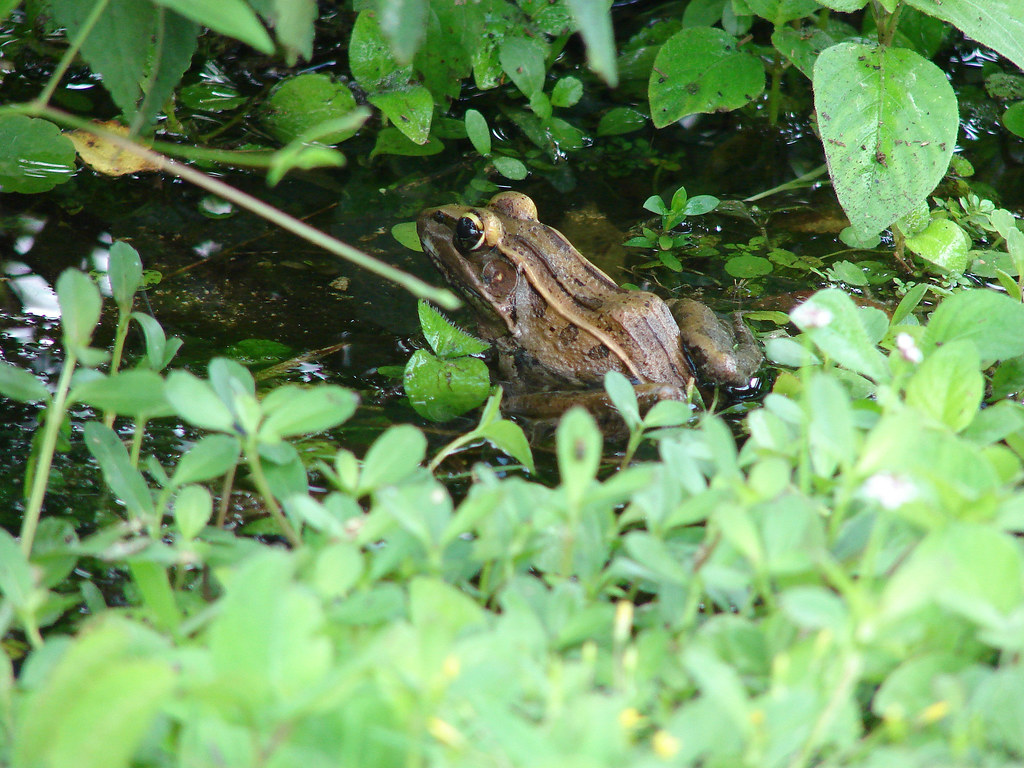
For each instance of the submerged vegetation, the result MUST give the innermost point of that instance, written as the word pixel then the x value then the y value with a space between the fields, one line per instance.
pixel 831 576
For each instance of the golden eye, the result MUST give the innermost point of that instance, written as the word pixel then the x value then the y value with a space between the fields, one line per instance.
pixel 469 233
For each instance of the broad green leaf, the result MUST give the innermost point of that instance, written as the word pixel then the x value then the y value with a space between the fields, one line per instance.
pixel 118 45
pixel 123 479
pixel 948 385
pixel 291 410
pixel 888 120
pixel 19 384
pixel 746 267
pixel 997 24
pixel 509 437
pixel 16 580
pixel 34 155
pixel 993 322
pixel 125 272
pixel 196 402
pixel 478 132
pixel 138 393
pixel 405 233
pixel 442 389
pixel 211 97
pixel 778 12
pixel 830 433
pixel 454 33
pixel 370 59
pixel 170 57
pixel 839 329
pixel 815 608
pixel 578 444
pixel 80 305
pixel 211 457
pixel 944 244
pixel 801 46
pixel 396 454
pixel 229 17
pixel 701 69
pixel 193 507
pixel 623 397
pixel 98 702
pixel 510 168
pixel 159 350
pixel 404 24
pixel 594 21
pixel 300 103
pixel 1013 118
pixel 299 154
pixel 410 109
pixel 445 339
pixel 522 58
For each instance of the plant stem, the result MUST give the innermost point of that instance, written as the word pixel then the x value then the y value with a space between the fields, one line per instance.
pixel 775 90
pixel 414 285
pixel 253 458
pixel 69 55
pixel 54 418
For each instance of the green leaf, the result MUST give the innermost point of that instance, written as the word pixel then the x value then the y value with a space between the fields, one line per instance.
pixel 80 306
pixel 888 120
pixel 623 397
pixel 778 12
pixel 522 58
pixel 745 267
pixel 478 132
pixel 293 22
pixel 801 46
pixel 410 109
pixel 510 168
pixel 125 272
pixel 211 457
pixel 701 69
pixel 594 21
pixel 840 329
pixel 443 389
pixel 211 97
pixel 993 322
pixel 405 233
pixel 138 393
pixel 948 385
pixel 404 24
pixel 299 104
pixel 447 340
pixel 578 445
pixel 196 402
pixel 509 437
pixel 159 351
pixel 19 384
pixel 997 24
pixel 229 17
pixel 291 410
pixel 370 59
pixel 123 479
pixel 99 700
pixel 391 141
pixel 193 507
pixel 619 120
pixel 1013 118
pixel 701 204
pixel 944 244
pixel 118 46
pixel 171 53
pixel 814 608
pixel 396 454
pixel 567 92
pixel 16 580
pixel 34 155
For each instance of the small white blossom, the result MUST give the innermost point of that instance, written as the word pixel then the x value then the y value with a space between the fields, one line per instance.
pixel 908 348
pixel 889 490
pixel 810 315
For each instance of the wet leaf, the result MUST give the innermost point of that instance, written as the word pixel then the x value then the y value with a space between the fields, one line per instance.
pixel 409 109
pixel 619 120
pixel 523 61
pixel 997 24
pixel 211 97
pixel 446 339
pixel 391 141
pixel 746 267
pixel 510 168
pixel 300 103
pixel 944 244
pixel 443 389
pixel 1013 118
pixel 106 157
pixel 34 156
pixel 404 24
pixel 370 59
pixel 405 233
pixel 778 12
pixel 567 92
pixel 478 132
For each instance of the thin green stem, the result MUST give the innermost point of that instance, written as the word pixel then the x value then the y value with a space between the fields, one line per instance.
pixel 136 450
pixel 253 458
pixel 115 360
pixel 51 428
pixel 69 55
pixel 414 285
pixel 775 90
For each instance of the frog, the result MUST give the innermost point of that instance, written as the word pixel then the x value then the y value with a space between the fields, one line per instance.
pixel 559 323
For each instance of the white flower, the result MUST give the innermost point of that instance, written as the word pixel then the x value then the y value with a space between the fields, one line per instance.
pixel 890 490
pixel 908 348
pixel 810 315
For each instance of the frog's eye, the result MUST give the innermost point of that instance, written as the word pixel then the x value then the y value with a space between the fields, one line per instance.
pixel 469 233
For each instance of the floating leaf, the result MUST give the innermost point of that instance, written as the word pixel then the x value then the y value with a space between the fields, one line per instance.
pixel 442 389
pixel 300 103
pixel 34 156
pixel 104 156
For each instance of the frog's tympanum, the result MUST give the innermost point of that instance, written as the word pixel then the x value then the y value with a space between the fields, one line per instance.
pixel 560 323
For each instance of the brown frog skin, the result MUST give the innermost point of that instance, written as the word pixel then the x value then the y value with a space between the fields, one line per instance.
pixel 558 322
